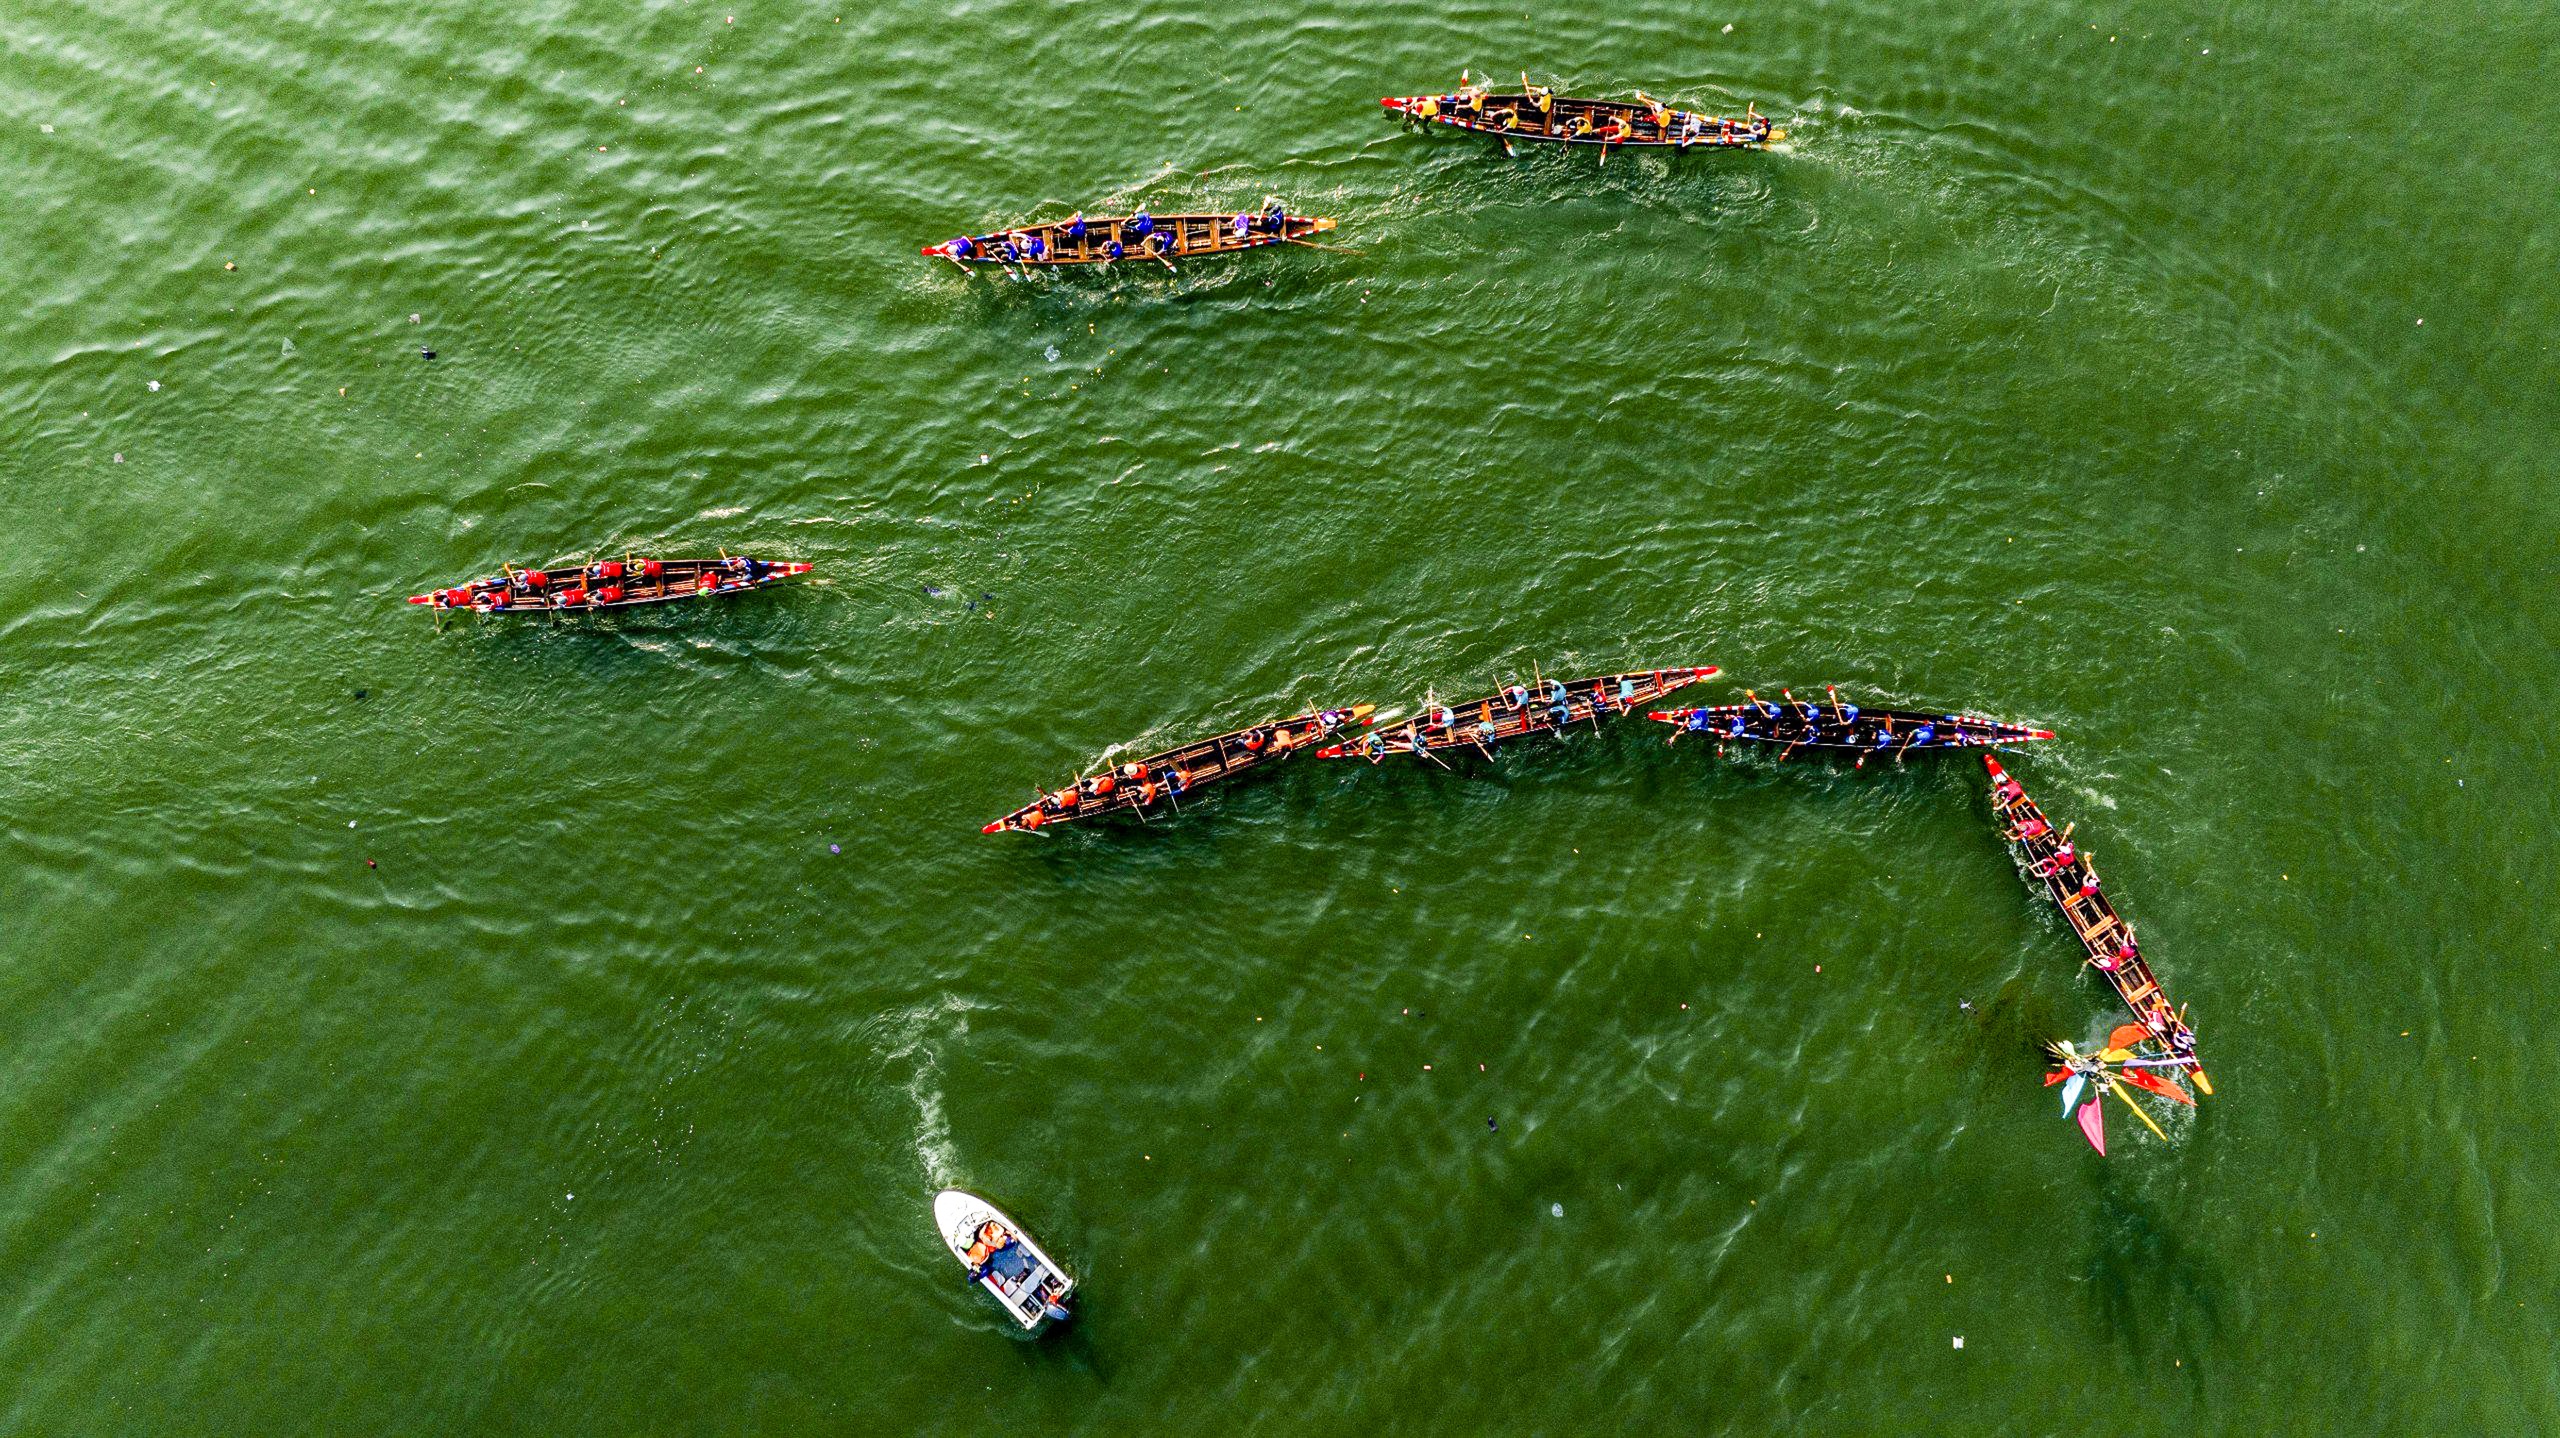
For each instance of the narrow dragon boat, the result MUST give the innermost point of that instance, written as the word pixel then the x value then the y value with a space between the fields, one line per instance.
pixel 624 583
pixel 1002 1259
pixel 1538 113
pixel 1141 237
pixel 2046 857
pixel 1142 785
pixel 1841 726
pixel 1551 705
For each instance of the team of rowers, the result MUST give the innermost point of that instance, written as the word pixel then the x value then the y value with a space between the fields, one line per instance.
pixel 1139 783
pixel 2074 874
pixel 1107 240
pixel 1533 112
pixel 1838 727
pixel 612 581
pixel 1554 704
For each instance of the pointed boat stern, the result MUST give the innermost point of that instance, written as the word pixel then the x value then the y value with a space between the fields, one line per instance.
pixel 1397 104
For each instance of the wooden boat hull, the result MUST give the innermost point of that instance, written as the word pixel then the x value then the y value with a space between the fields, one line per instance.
pixel 1561 127
pixel 580 590
pixel 1026 1294
pixel 1552 705
pixel 1195 236
pixel 1207 761
pixel 1859 730
pixel 2103 935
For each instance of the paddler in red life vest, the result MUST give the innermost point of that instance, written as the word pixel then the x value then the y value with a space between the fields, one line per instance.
pixel 1103 784
pixel 1656 112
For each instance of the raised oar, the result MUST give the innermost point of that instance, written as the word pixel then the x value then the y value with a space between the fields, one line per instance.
pixel 1836 711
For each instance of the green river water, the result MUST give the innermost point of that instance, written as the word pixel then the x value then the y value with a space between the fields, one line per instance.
pixel 2177 376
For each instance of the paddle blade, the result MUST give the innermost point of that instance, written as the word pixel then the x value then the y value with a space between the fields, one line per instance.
pixel 2127 1036
pixel 2093 1124
pixel 2114 1055
pixel 2203 1084
pixel 2055 1077
pixel 2071 1094
pixel 2153 1083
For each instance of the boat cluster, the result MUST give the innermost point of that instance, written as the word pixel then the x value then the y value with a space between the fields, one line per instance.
pixel 1535 112
pixel 2151 1054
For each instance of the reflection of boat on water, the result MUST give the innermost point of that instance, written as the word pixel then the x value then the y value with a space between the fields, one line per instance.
pixel 1002 1259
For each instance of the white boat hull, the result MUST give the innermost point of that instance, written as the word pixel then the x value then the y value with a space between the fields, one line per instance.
pixel 1026 1294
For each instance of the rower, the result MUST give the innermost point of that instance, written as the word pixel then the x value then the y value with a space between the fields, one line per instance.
pixel 1515 696
pixel 610 594
pixel 1275 218
pixel 1724 132
pixel 1424 110
pixel 1508 120
pixel 1140 225
pixel 1243 225
pixel 1657 112
pixel 1103 784
pixel 1700 721
pixel 960 248
pixel 1578 126
pixel 1618 130
pixel 1922 735
pixel 1160 243
pixel 1177 781
pixel 1034 247
pixel 1541 98
pixel 1011 252
pixel 1253 741
pixel 1133 770
pixel 1413 737
pixel 1441 718
pixel 1691 122
pixel 1737 727
pixel 1112 251
pixel 1074 227
pixel 756 570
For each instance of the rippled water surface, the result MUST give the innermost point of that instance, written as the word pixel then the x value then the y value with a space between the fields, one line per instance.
pixel 2180 378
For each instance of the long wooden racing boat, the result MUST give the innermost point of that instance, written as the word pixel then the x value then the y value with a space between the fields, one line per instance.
pixel 1548 706
pixel 1538 113
pixel 1002 1259
pixel 623 583
pixel 1842 726
pixel 2046 857
pixel 1140 237
pixel 1142 785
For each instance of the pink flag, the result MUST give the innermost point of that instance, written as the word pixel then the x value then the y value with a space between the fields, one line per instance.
pixel 2094 1124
